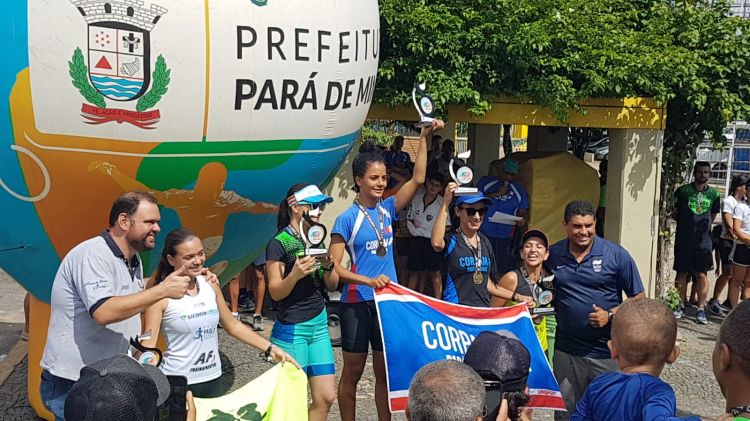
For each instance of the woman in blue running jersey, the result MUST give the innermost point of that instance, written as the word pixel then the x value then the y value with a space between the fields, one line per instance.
pixel 364 231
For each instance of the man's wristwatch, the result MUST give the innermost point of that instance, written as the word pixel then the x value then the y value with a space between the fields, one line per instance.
pixel 268 350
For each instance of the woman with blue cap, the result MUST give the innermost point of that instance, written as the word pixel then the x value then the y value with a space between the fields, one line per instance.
pixel 468 253
pixel 296 279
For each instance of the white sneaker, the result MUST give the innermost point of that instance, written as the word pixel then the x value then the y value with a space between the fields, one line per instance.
pixel 257 322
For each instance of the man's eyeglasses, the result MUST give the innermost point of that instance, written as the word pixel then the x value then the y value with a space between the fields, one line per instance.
pixel 473 211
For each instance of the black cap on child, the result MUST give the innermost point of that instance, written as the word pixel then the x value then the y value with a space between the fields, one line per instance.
pixel 117 388
pixel 500 357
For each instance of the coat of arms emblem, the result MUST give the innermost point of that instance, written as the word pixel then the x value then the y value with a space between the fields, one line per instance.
pixel 119 62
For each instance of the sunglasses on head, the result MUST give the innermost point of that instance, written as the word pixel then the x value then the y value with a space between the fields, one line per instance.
pixel 473 211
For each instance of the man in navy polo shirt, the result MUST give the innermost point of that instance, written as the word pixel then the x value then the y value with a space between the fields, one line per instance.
pixel 591 274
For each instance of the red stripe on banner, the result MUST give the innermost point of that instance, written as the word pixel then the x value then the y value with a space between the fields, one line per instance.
pixel 546 401
pixel 455 310
pixel 399 404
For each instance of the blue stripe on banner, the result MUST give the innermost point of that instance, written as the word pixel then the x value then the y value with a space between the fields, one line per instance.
pixel 320 370
pixel 283 332
pixel 418 330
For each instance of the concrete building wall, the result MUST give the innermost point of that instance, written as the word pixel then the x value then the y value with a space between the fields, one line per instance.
pixel 633 182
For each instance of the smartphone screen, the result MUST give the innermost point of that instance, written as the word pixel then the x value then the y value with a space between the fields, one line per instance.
pixel 174 408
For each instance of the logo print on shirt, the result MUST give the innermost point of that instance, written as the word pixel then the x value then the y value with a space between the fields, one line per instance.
pixel 205 358
pixel 597 264
pixel 205 333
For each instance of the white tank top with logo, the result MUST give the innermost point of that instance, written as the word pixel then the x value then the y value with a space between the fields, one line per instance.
pixel 190 327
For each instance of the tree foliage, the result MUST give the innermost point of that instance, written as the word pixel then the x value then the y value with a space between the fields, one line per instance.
pixel 690 55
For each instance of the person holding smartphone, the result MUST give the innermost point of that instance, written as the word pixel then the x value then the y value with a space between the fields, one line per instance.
pixel 190 323
pixel 297 281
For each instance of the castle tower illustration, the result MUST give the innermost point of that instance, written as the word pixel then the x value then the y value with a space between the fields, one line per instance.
pixel 119 61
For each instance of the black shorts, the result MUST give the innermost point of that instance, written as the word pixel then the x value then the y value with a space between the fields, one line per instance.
pixel 360 327
pixel 725 251
pixel 740 254
pixel 209 389
pixel 401 246
pixel 422 257
pixel 692 259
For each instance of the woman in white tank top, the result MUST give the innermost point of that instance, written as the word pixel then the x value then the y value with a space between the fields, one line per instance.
pixel 190 323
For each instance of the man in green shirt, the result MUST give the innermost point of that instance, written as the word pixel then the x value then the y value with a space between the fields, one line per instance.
pixel 731 363
pixel 696 206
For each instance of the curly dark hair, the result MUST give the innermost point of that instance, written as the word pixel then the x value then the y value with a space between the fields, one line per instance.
pixel 369 153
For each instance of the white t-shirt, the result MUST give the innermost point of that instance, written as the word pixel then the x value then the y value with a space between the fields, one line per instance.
pixel 420 218
pixel 742 212
pixel 190 325
pixel 727 206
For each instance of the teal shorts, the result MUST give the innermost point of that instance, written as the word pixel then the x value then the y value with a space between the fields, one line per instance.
pixel 308 342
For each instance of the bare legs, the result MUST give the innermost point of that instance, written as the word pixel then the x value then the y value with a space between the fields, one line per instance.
pixel 323 389
pixel 354 366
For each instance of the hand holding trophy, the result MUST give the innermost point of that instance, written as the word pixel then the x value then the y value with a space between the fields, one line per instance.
pixel 314 235
pixel 424 104
pixel 543 296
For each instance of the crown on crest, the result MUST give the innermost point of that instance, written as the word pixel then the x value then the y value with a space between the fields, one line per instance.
pixel 129 12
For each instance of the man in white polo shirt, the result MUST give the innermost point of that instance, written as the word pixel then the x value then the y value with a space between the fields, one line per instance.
pixel 98 296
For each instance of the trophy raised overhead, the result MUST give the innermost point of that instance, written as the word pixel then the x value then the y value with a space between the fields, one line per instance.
pixel 424 104
pixel 462 174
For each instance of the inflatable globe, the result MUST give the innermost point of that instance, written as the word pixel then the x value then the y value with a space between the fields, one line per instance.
pixel 216 107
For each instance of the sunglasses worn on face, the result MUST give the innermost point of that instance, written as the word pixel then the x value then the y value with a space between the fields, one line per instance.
pixel 313 206
pixel 473 211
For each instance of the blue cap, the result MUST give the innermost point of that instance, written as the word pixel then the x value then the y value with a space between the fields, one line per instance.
pixel 470 200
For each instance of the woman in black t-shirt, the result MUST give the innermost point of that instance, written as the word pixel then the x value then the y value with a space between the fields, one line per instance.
pixel 296 280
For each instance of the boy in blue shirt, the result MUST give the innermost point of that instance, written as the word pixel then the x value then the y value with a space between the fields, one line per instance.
pixel 643 340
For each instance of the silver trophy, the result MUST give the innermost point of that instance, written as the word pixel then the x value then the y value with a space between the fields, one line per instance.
pixel 462 174
pixel 314 235
pixel 543 296
pixel 424 104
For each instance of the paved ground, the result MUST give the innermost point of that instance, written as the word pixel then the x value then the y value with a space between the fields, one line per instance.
pixel 691 376
pixel 11 312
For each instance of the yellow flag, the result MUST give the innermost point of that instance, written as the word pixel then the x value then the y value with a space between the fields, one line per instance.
pixel 278 394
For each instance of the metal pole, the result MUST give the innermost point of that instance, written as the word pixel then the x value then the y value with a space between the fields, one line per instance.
pixel 730 159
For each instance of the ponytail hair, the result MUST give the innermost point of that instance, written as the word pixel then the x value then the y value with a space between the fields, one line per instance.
pixel 284 216
pixel 174 239
pixel 368 153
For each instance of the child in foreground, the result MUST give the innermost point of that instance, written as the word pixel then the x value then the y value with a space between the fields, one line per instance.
pixel 643 341
pixel 731 363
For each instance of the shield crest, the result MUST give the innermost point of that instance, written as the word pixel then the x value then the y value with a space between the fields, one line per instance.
pixel 119 60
